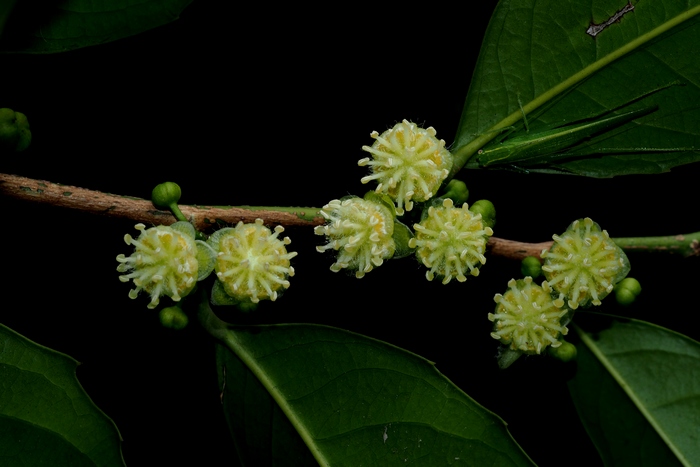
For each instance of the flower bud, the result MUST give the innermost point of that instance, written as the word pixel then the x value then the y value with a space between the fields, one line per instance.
pixel 565 352
pixel 361 231
pixel 14 130
pixel 584 263
pixel 531 266
pixel 252 263
pixel 408 162
pixel 173 317
pixel 450 242
pixel 165 195
pixel 527 318
pixel 487 211
pixel 626 291
pixel 457 191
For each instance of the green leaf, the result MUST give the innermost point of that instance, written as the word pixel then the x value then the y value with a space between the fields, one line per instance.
pixel 71 24
pixel 637 390
pixel 538 54
pixel 347 399
pixel 46 418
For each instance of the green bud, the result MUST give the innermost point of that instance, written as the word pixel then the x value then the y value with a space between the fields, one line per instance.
pixel 14 130
pixel 631 284
pixel 624 297
pixel 531 266
pixel 565 352
pixel 487 211
pixel 626 291
pixel 457 191
pixel 173 317
pixel 165 195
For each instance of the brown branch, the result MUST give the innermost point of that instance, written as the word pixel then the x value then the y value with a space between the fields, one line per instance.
pixel 141 210
pixel 205 218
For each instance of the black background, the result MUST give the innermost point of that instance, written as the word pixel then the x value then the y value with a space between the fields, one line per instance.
pixel 254 108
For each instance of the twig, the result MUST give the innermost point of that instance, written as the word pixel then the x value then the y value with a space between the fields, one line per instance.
pixel 207 217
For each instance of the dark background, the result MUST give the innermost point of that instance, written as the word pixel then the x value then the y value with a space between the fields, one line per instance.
pixel 255 108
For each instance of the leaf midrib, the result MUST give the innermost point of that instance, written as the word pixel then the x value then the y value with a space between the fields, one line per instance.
pixel 464 153
pixel 590 343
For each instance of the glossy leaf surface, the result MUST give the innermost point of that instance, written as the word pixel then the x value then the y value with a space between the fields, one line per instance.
pixel 50 27
pixel 46 418
pixel 637 390
pixel 537 54
pixel 352 400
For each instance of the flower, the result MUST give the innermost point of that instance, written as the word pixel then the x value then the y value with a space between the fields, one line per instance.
pixel 451 241
pixel 584 263
pixel 252 263
pixel 527 318
pixel 164 262
pixel 408 162
pixel 361 231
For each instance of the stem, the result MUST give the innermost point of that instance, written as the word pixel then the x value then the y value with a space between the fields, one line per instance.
pixel 207 218
pixel 141 210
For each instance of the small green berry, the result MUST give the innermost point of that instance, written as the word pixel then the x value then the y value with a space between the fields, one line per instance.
pixel 487 211
pixel 165 195
pixel 565 352
pixel 173 317
pixel 408 162
pixel 457 191
pixel 531 266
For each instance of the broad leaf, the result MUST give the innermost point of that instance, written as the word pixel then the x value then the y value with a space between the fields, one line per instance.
pixel 350 399
pixel 637 390
pixel 536 53
pixel 45 416
pixel 64 25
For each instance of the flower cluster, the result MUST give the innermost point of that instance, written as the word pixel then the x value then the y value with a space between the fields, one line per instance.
pixel 527 318
pixel 165 262
pixel 252 262
pixel 408 162
pixel 584 263
pixel 361 231
pixel 451 242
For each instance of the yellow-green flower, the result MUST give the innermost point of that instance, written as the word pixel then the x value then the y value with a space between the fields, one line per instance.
pixel 408 162
pixel 252 262
pixel 584 263
pixel 361 231
pixel 166 261
pixel 527 318
pixel 450 242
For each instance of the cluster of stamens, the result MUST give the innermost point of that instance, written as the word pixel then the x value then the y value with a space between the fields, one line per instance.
pixel 164 262
pixel 252 263
pixel 451 241
pixel 584 263
pixel 527 318
pixel 408 162
pixel 361 231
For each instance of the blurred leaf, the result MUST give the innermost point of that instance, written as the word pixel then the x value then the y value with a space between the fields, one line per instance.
pixel 353 400
pixel 637 390
pixel 45 416
pixel 62 25
pixel 538 54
